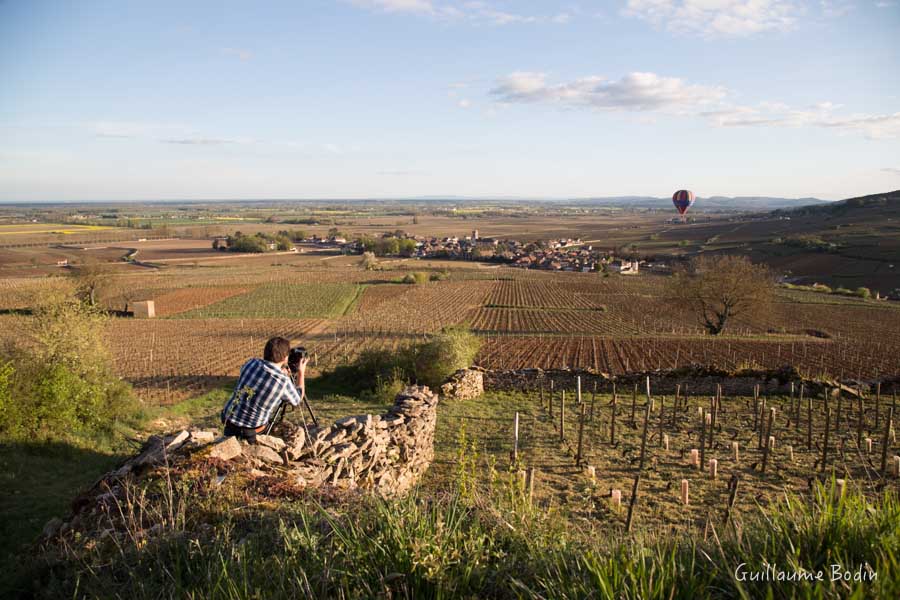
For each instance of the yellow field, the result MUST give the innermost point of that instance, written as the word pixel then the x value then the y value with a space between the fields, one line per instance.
pixel 32 228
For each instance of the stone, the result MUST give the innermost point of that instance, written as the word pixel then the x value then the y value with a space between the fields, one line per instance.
pixel 465 384
pixel 201 438
pixel 296 444
pixel 226 449
pixel 275 443
pixel 264 453
pixel 52 527
pixel 173 443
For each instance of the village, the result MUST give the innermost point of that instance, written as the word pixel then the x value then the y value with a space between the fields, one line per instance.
pixel 565 254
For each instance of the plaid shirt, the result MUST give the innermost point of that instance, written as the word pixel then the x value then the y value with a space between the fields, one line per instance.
pixel 259 390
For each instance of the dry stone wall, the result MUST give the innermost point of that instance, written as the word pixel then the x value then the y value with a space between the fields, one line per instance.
pixel 697 381
pixel 385 453
pixel 465 384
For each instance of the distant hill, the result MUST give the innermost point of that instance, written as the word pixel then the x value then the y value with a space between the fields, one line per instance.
pixel 712 203
pixel 885 203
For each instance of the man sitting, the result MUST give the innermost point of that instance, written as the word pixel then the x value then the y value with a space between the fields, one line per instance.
pixel 261 388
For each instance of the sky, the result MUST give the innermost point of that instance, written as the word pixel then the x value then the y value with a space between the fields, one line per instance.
pixel 305 99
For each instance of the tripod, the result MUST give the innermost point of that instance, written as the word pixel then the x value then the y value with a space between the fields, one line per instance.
pixel 282 408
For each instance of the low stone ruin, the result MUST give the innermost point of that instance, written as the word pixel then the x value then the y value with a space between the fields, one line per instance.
pixel 384 453
pixel 465 384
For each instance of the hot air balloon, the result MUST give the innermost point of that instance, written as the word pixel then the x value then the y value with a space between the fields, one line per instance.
pixel 683 200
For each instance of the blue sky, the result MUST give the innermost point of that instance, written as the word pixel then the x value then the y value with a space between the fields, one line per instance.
pixel 125 100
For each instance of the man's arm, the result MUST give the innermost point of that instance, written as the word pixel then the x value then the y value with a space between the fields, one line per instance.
pixel 295 394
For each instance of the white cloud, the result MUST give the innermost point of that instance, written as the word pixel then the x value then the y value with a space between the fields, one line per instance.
pixel 885 4
pixel 717 17
pixel 401 6
pixel 633 92
pixel 836 8
pixel 473 11
pixel 464 103
pixel 883 126
pixel 646 93
pixel 199 141
pixel 891 170
pixel 242 55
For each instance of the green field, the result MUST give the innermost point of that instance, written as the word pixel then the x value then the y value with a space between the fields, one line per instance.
pixel 284 300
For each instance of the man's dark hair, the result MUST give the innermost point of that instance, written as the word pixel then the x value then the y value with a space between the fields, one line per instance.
pixel 277 349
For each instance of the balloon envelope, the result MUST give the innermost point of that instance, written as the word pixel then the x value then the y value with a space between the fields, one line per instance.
pixel 683 200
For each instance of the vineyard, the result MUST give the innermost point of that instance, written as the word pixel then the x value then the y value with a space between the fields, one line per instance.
pixel 283 300
pixel 623 355
pixel 736 448
pixel 211 320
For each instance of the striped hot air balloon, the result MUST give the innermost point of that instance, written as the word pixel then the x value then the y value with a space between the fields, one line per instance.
pixel 683 200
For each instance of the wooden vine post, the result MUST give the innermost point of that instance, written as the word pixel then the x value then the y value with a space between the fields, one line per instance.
pixel 580 437
pixel 703 438
pixel 837 417
pixel 637 478
pixel 562 417
pixel 551 398
pixel 765 456
pixel 825 445
pixel 860 419
pixel 877 405
pixel 633 402
pixel 886 441
pixel 515 451
pixel 809 423
pixel 612 418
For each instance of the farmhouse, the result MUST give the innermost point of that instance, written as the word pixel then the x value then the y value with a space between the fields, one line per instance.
pixel 624 267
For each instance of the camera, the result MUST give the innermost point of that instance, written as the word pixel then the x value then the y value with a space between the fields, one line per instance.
pixel 295 356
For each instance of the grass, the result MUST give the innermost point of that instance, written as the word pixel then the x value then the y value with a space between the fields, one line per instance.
pixel 39 480
pixel 467 531
pixel 284 300
pixel 483 541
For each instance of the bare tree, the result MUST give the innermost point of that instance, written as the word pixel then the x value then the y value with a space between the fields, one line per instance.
pixel 91 279
pixel 719 288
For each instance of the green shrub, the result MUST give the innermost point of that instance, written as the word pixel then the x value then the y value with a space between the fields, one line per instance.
pixel 386 388
pixel 430 363
pixel 377 365
pixel 445 353
pixel 440 275
pixel 417 277
pixel 57 379
pixel 863 292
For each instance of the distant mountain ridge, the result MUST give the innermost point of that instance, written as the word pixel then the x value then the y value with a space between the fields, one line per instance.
pixel 885 202
pixel 703 204
pixel 712 203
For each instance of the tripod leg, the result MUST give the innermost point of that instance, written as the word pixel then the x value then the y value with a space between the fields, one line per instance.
pixel 311 413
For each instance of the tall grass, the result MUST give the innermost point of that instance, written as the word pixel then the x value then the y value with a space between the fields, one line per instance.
pixel 195 540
